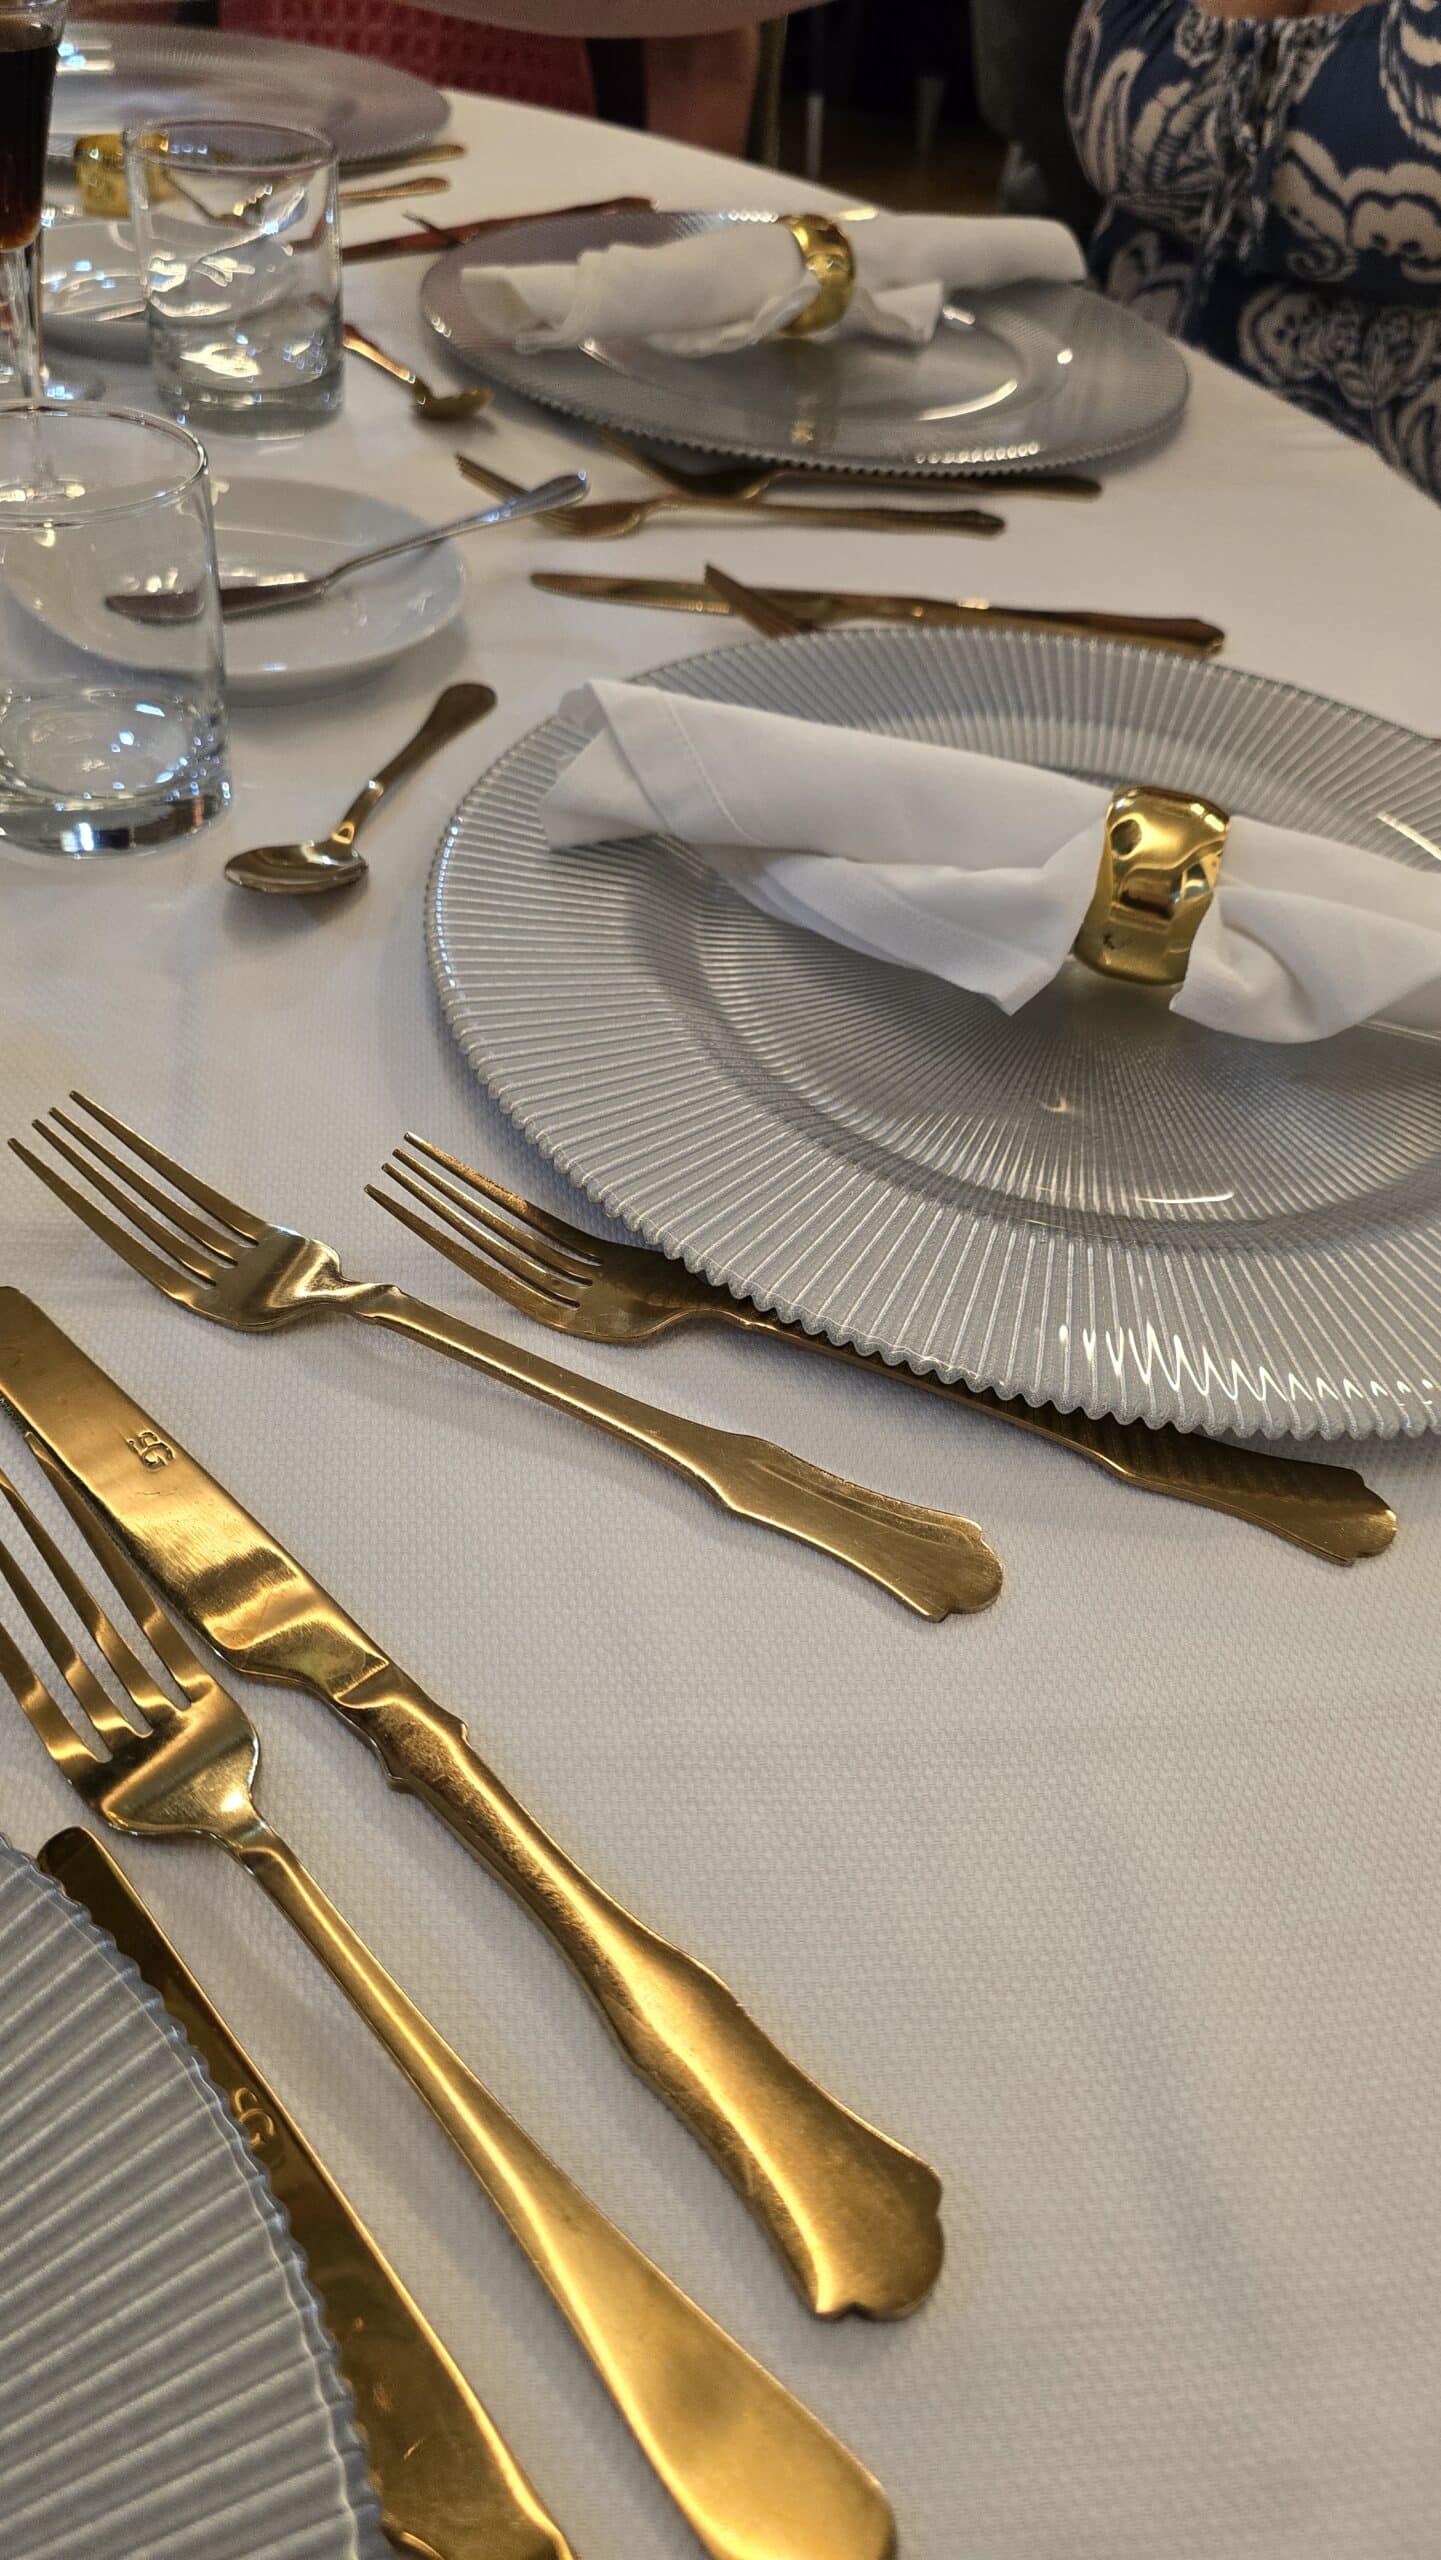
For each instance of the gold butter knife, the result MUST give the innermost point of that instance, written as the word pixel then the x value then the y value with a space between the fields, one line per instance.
pixel 449 2486
pixel 822 607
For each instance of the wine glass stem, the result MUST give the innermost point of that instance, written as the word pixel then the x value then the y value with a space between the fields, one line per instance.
pixel 20 288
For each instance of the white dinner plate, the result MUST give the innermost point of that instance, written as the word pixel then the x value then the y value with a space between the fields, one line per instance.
pixel 169 2385
pixel 1031 376
pixel 261 526
pixel 91 272
pixel 112 76
pixel 1091 1203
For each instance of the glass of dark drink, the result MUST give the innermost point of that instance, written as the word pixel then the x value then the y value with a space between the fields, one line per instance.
pixel 30 32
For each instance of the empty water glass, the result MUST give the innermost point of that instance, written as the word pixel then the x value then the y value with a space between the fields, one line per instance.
pixel 112 732
pixel 236 225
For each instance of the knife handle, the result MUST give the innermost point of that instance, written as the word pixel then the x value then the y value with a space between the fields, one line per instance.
pixel 854 2214
pixel 1150 630
pixel 750 2469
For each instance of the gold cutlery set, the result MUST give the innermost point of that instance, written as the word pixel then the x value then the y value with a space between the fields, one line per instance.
pixel 165 1753
pixel 157 1747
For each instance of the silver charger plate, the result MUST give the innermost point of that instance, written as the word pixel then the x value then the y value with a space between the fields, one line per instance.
pixel 1035 375
pixel 1089 1204
pixel 168 2386
pixel 111 76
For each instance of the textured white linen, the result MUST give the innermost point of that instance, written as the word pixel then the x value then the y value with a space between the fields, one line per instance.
pixel 708 296
pixel 980 871
pixel 1121 1902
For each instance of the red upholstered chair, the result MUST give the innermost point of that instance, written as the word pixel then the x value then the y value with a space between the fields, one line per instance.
pixel 454 53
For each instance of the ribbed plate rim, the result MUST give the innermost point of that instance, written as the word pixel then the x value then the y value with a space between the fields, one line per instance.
pixel 360 2511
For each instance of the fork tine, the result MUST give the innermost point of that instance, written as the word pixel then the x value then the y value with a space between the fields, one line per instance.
pixel 74 1757
pixel 535 1264
pixel 159 1628
pixel 588 1250
pixel 161 1275
pixel 89 1694
pixel 522 1295
pixel 199 1229
pixel 204 1194
pixel 169 1242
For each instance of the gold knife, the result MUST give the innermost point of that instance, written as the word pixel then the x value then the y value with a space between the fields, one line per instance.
pixel 822 607
pixel 854 2214
pixel 449 2486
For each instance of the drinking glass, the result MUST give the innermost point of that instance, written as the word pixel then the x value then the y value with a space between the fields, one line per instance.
pixel 30 32
pixel 240 254
pixel 112 731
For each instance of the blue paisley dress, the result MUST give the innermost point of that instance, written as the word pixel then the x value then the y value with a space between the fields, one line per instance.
pixel 1272 193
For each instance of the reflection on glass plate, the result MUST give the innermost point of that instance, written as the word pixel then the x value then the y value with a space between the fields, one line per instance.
pixel 1090 1203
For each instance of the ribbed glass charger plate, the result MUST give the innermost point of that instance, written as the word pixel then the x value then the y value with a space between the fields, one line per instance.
pixel 116 75
pixel 167 2391
pixel 1090 1203
pixel 1034 375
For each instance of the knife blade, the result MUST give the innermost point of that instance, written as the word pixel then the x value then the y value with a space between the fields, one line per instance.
pixel 854 2214
pixel 437 238
pixel 448 2483
pixel 823 607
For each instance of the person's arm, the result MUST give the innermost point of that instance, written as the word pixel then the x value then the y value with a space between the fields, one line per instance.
pixel 701 88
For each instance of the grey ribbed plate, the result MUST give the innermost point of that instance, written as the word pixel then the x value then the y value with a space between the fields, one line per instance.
pixel 167 2391
pixel 112 76
pixel 1090 1204
pixel 1037 374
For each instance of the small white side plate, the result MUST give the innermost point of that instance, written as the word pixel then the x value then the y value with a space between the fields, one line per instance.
pixel 262 526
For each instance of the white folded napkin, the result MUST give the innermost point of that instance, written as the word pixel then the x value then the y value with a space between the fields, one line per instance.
pixel 981 871
pixel 726 289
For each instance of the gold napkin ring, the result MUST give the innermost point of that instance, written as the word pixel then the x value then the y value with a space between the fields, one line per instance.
pixel 830 259
pixel 100 175
pixel 1160 861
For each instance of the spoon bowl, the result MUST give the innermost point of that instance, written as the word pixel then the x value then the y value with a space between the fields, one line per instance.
pixel 308 869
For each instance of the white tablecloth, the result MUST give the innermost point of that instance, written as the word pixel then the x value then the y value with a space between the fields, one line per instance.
pixel 1121 1903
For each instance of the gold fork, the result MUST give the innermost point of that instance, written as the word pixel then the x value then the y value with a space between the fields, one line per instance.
pixel 236 1269
pixel 747 2465
pixel 578 1283
pixel 606 519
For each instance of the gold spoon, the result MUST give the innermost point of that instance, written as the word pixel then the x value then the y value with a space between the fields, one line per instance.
pixel 606 519
pixel 332 862
pixel 438 408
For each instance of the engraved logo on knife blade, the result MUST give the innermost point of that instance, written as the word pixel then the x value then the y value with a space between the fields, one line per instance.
pixel 150 1449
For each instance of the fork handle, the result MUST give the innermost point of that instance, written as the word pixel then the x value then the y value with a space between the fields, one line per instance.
pixel 745 2463
pixel 1331 1511
pixel 934 1561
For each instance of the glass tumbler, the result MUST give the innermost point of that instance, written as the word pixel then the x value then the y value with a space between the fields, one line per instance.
pixel 112 701
pixel 239 244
